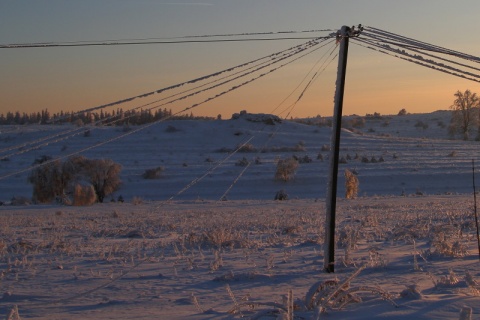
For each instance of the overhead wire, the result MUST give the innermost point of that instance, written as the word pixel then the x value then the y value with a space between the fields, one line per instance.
pixel 274 36
pixel 417 60
pixel 297 52
pixel 294 50
pixel 291 107
pixel 143 95
pixel 422 44
pixel 419 49
pixel 187 37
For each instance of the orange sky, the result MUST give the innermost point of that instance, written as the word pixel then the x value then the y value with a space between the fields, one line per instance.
pixel 72 79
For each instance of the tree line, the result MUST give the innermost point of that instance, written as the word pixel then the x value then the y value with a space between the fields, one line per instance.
pixel 115 117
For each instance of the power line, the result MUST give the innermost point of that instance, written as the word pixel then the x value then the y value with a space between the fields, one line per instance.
pixel 298 51
pixel 422 44
pixel 417 60
pixel 122 43
pixel 409 49
pixel 271 33
pixel 269 60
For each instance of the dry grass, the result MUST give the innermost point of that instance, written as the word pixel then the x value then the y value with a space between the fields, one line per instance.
pixel 249 246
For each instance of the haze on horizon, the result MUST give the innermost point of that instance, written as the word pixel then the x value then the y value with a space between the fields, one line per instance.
pixel 72 79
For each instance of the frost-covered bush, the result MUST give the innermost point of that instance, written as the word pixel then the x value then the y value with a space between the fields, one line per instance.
pixel 421 125
pixel 154 173
pixel 304 159
pixel 281 195
pixel 247 147
pixel 171 129
pixel 84 195
pixel 52 179
pixel 242 162
pixel 286 169
pixel 351 185
pixel 46 179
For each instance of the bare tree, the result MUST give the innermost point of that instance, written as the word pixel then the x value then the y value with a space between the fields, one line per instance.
pixel 104 176
pixel 463 107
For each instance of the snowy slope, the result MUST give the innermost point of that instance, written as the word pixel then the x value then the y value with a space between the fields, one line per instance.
pixel 198 160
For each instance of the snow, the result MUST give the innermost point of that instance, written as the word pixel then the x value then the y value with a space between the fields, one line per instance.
pixel 195 257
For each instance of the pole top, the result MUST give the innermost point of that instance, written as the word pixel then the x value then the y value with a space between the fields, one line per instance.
pixel 349 32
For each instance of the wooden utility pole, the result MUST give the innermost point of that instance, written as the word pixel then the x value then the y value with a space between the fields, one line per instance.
pixel 331 201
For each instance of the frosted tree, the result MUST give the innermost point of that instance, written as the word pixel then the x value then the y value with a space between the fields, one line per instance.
pixel 463 107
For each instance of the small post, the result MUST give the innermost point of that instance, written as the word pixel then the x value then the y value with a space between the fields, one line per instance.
pixel 331 201
pixel 475 207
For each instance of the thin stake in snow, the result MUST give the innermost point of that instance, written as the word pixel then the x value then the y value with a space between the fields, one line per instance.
pixel 475 207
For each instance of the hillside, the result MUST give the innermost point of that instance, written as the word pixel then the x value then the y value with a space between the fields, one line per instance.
pixel 199 163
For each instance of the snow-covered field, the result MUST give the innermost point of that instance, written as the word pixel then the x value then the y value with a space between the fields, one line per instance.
pixel 407 247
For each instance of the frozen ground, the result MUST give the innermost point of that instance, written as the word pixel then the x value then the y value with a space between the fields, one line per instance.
pixel 407 245
pixel 239 258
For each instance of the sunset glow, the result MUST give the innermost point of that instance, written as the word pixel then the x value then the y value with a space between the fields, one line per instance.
pixel 72 79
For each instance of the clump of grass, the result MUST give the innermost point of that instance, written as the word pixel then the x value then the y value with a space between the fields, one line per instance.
pixel 334 294
pixel 137 200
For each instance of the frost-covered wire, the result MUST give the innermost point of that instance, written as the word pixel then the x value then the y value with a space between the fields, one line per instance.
pixel 404 55
pixel 299 51
pixel 419 44
pixel 231 37
pixel 210 170
pixel 285 55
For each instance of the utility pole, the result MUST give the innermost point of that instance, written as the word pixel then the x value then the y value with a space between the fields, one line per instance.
pixel 343 36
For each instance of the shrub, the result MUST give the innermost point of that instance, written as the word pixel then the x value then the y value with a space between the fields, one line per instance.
pixel 306 159
pixel 421 125
pixel 84 195
pixel 281 195
pixel 137 200
pixel 351 185
pixel 357 122
pixel 242 162
pixel 104 176
pixel 46 179
pixel 247 147
pixel 20 201
pixel 53 179
pixel 299 148
pixel 171 128
pixel 286 169
pixel 154 173
pixel 78 123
